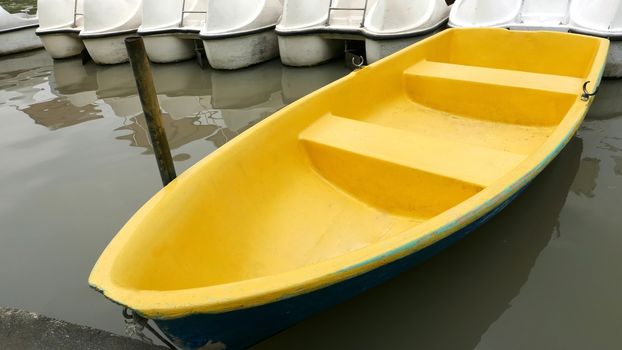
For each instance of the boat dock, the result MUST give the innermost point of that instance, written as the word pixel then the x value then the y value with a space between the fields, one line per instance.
pixel 21 329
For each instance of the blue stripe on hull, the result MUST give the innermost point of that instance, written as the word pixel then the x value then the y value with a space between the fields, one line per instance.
pixel 243 328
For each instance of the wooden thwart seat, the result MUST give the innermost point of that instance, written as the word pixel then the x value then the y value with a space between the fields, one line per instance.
pixel 468 163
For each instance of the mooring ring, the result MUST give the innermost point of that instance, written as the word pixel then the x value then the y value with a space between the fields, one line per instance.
pixel 586 95
pixel 360 63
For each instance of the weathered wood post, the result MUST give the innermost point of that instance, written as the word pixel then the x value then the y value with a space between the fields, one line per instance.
pixel 151 107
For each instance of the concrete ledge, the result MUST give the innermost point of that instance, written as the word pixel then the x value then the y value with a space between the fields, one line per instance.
pixel 25 330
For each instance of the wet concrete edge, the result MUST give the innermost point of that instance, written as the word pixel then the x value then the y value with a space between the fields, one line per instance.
pixel 25 330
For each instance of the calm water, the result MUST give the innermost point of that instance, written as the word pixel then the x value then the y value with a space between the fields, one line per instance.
pixel 76 163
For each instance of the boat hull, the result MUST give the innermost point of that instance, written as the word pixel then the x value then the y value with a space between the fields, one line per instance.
pixel 307 50
pixel 108 49
pixel 19 40
pixel 62 45
pixel 377 49
pixel 243 328
pixel 168 48
pixel 613 69
pixel 241 51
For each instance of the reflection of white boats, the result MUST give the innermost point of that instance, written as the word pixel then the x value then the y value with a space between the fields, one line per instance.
pixel 31 60
pixel 308 29
pixel 106 24
pixel 17 32
pixel 602 18
pixel 297 82
pixel 60 24
pixel 240 33
pixel 170 28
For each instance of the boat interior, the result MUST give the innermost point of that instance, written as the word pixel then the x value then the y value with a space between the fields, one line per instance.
pixel 367 158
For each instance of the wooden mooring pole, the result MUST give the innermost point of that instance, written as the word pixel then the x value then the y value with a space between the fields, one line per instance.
pixel 151 107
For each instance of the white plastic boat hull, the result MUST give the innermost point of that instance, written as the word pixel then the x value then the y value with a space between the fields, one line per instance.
pixel 107 50
pixel 19 40
pixel 106 25
pixel 614 60
pixel 310 33
pixel 168 48
pixel 307 50
pixel 62 45
pixel 376 50
pixel 241 51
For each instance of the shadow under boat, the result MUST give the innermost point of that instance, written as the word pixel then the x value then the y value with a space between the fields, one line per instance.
pixel 451 300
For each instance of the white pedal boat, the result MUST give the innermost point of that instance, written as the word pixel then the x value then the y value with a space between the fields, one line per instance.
pixel 60 24
pixel 171 27
pixel 240 33
pixel 311 32
pixel 602 18
pixel 106 24
pixel 17 32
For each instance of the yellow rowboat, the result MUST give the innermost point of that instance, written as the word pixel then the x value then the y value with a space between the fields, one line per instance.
pixel 351 185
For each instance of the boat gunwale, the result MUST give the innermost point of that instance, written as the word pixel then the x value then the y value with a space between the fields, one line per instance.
pixel 204 35
pixel 86 35
pixel 172 304
pixel 16 29
pixel 363 32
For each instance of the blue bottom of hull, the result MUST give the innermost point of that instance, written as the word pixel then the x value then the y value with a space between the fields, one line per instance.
pixel 243 328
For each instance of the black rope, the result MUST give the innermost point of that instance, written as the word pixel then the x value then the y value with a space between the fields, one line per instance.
pixel 145 323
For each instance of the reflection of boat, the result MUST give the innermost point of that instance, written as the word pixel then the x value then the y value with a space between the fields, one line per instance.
pixel 72 77
pixel 240 33
pixel 246 87
pixel 115 81
pixel 22 62
pixel 348 187
pixel 106 24
pixel 179 132
pixel 297 82
pixel 61 113
pixel 181 79
pixel 463 291
pixel 608 104
pixel 311 32
pixel 44 99
pixel 61 23
pixel 602 18
pixel 17 32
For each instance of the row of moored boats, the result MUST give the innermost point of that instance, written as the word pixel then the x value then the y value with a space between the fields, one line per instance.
pixel 239 33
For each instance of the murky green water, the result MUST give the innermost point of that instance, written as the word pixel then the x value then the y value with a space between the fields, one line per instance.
pixel 76 163
pixel 14 6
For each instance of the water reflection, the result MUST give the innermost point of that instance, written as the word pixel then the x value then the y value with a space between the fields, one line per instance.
pixel 450 301
pixel 14 64
pixel 61 113
pixel 297 82
pixel 197 104
pixel 607 104
pixel 179 132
